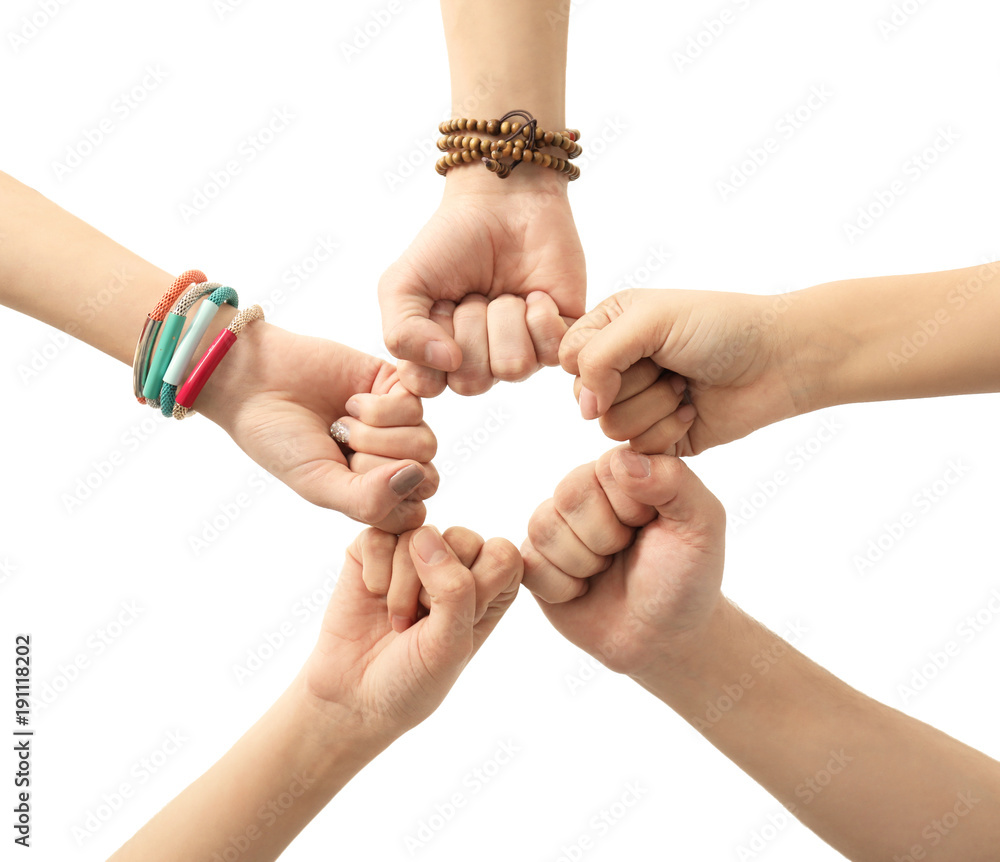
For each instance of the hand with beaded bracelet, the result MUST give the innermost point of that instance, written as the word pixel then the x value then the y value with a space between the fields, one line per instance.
pixel 276 393
pixel 488 287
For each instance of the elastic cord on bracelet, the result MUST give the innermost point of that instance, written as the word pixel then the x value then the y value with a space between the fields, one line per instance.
pixel 151 328
pixel 189 342
pixel 210 360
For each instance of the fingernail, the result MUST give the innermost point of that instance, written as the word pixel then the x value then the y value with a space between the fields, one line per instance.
pixel 340 432
pixel 687 413
pixel 406 480
pixel 636 464
pixel 437 356
pixel 400 624
pixel 429 545
pixel 588 404
pixel 532 297
pixel 679 384
pixel 353 408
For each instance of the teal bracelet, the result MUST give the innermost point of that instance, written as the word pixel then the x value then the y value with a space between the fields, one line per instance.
pixel 185 350
pixel 169 333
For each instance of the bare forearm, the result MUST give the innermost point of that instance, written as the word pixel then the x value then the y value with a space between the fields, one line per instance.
pixel 907 336
pixel 868 779
pixel 259 795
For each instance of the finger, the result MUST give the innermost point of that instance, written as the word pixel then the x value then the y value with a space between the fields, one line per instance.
pixel 548 582
pixel 641 412
pixel 512 354
pixel 583 505
pixel 385 411
pixel 416 442
pixel 497 571
pixel 361 462
pixel 375 551
pixel 545 326
pixel 404 587
pixel 421 381
pixel 668 485
pixel 581 332
pixel 465 543
pixel 407 327
pixel 554 539
pixel 452 592
pixel 474 377
pixel 664 436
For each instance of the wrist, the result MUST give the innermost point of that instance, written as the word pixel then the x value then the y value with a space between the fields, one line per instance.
pixel 223 393
pixel 532 180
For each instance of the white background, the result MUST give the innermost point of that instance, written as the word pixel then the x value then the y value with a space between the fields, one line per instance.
pixel 672 134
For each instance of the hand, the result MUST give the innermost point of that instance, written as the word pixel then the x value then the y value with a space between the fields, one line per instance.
pixel 277 396
pixel 626 559
pixel 389 681
pixel 482 292
pixel 733 350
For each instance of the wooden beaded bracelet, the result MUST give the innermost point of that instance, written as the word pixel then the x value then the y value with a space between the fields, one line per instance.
pixel 522 144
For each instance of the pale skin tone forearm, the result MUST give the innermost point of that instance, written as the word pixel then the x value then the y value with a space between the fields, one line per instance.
pixel 906 336
pixel 262 792
pixel 871 781
pixel 529 73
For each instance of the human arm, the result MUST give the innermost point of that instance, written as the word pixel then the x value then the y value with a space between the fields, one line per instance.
pixel 631 567
pixel 750 361
pixel 454 306
pixel 276 393
pixel 363 686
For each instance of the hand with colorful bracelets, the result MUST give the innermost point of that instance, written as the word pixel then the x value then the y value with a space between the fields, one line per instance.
pixel 488 287
pixel 277 394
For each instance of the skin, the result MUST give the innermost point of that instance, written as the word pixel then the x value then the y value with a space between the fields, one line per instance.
pixel 362 687
pixel 749 361
pixel 626 561
pixel 276 393
pixel 488 287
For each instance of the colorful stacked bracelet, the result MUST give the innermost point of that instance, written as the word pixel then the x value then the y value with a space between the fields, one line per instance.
pixel 165 348
pixel 522 144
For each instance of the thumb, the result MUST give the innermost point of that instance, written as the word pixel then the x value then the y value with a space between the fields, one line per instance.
pixel 604 344
pixel 407 327
pixel 367 497
pixel 451 588
pixel 667 484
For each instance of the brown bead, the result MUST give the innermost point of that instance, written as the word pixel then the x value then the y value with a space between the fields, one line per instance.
pixel 508 149
pixel 529 155
pixel 548 137
pixel 505 128
pixel 557 140
pixel 514 127
pixel 481 126
pixel 474 143
pixel 466 156
pixel 470 125
pixel 546 159
pixel 518 143
pixel 518 154
pixel 493 126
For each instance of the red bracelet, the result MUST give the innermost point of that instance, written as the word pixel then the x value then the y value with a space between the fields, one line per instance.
pixel 197 379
